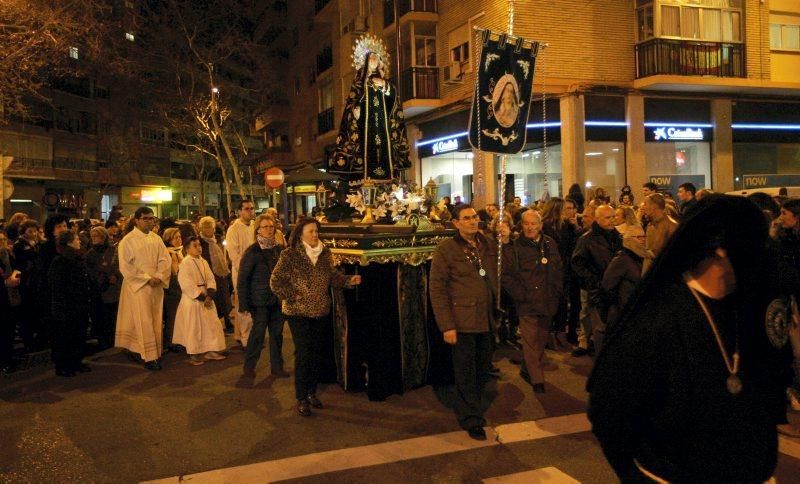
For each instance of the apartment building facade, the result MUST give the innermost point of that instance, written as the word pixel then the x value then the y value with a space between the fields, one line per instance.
pixel 626 92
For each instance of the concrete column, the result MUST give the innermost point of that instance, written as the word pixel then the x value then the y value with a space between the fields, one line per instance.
pixel 722 146
pixel 484 179
pixel 635 168
pixel 573 141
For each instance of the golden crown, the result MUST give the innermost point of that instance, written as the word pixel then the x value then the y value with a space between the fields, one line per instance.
pixel 368 43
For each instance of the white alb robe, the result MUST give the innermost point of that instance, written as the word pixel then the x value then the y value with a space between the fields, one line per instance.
pixel 238 238
pixel 141 306
pixel 197 328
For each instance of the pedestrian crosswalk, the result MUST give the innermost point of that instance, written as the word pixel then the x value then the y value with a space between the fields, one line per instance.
pixel 403 451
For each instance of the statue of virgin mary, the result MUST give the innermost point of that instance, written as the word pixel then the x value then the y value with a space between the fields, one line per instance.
pixel 372 140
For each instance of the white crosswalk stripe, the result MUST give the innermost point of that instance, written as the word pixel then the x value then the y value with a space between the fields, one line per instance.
pixel 545 475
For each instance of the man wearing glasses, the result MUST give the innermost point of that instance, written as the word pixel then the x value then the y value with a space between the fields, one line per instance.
pixel 145 266
pixel 239 237
pixel 462 288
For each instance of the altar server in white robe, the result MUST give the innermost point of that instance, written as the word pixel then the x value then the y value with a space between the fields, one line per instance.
pixel 241 235
pixel 145 267
pixel 197 326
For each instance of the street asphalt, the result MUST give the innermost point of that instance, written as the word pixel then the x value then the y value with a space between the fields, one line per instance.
pixel 120 423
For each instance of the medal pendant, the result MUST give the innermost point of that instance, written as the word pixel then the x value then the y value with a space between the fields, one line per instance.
pixel 544 260
pixel 734 385
pixel 482 272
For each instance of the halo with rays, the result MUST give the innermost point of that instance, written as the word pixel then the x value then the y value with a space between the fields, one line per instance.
pixel 368 43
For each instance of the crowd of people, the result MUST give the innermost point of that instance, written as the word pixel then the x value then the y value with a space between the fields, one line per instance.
pixel 668 296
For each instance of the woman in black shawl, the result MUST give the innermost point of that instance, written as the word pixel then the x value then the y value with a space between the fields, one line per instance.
pixel 372 137
pixel 685 388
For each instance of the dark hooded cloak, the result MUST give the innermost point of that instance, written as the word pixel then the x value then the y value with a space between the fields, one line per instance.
pixel 658 394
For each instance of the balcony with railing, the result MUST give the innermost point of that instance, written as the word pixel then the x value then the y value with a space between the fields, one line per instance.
pixel 325 121
pixel 407 6
pixel 30 168
pixel 689 58
pixel 420 83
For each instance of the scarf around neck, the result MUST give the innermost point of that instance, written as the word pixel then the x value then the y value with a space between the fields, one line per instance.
pixel 313 252
pixel 265 242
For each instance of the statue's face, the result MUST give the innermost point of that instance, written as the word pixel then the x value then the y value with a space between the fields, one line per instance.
pixel 373 61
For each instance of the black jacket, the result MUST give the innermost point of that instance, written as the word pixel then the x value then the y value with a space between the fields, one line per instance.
pixel 619 282
pixel 534 286
pixel 593 253
pixel 102 264
pixel 566 237
pixel 69 287
pixel 255 271
pixel 25 256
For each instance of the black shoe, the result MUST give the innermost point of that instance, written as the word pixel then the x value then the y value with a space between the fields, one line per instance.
pixel 477 433
pixel 66 373
pixel 8 369
pixel 83 368
pixel 304 408
pixel 538 388
pixel 152 365
pixel 228 330
pixel 525 376
pixel 134 357
pixel 314 401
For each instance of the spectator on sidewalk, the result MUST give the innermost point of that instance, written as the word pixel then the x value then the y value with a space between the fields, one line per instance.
pixel 173 240
pixel 103 267
pixel 214 254
pixel 26 252
pixel 70 305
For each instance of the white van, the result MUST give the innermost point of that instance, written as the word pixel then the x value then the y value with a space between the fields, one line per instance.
pixel 793 192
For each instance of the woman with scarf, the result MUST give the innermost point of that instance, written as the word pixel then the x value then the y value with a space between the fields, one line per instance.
pixel 103 267
pixel 302 280
pixel 685 387
pixel 70 305
pixel 197 326
pixel 624 273
pixel 256 297
pixel 172 294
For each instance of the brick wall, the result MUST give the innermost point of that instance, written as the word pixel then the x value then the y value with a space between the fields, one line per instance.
pixel 591 41
pixel 756 37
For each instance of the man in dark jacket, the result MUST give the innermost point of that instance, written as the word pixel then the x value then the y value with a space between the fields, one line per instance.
pixel 593 252
pixel 533 276
pixel 623 274
pixel 256 297
pixel 462 288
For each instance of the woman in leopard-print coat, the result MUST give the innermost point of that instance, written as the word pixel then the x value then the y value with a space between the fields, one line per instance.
pixel 302 280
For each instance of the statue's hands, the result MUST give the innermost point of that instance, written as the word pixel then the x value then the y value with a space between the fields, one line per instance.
pixel 357 112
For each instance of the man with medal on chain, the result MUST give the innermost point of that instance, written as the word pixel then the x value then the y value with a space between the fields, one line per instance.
pixel 685 388
pixel 463 281
pixel 371 146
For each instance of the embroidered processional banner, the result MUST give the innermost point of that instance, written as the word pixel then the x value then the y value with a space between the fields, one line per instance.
pixel 502 96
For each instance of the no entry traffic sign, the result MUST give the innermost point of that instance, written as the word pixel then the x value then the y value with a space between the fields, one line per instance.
pixel 274 177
